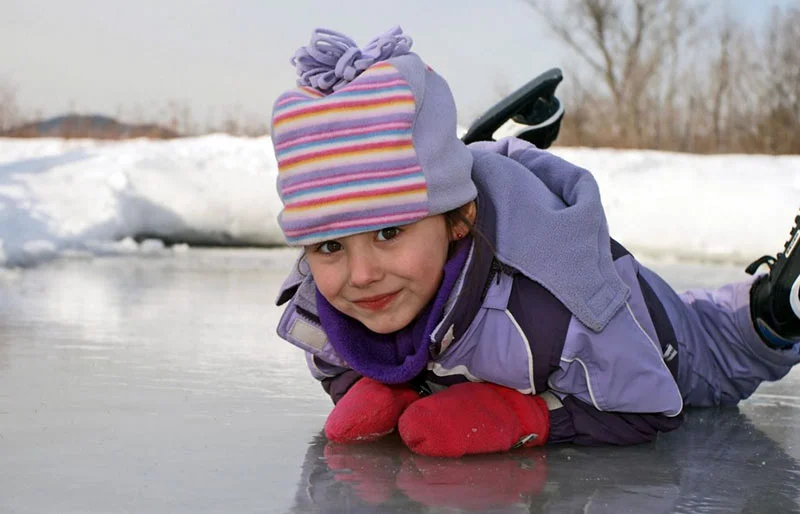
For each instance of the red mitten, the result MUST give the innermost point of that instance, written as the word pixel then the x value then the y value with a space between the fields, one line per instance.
pixel 368 411
pixel 474 418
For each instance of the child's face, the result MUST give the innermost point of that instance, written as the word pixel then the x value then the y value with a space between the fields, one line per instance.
pixel 385 278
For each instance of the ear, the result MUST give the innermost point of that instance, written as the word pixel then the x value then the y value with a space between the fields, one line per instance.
pixel 461 227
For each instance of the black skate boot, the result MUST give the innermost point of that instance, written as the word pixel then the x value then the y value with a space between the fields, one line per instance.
pixel 775 298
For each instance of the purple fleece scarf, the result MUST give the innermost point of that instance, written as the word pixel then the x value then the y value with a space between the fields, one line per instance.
pixel 400 356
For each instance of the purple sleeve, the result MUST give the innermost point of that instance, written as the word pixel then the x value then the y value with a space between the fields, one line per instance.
pixel 337 386
pixel 335 380
pixel 580 423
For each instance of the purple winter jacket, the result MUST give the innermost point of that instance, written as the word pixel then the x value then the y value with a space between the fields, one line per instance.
pixel 547 303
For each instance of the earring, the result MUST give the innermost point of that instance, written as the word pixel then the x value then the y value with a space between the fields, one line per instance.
pixel 459 235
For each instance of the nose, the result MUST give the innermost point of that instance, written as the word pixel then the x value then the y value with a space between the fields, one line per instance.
pixel 365 268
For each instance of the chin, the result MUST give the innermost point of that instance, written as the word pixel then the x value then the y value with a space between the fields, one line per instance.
pixel 384 326
pixel 381 328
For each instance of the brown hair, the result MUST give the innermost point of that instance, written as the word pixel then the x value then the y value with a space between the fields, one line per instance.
pixel 456 217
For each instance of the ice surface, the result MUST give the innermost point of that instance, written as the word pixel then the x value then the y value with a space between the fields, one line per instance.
pixel 149 384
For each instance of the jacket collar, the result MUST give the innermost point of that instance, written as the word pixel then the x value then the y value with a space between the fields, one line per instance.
pixel 468 293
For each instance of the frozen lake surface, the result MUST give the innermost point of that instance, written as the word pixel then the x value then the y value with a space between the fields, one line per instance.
pixel 138 384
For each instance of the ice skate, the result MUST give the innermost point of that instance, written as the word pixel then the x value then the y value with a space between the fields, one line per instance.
pixel 775 297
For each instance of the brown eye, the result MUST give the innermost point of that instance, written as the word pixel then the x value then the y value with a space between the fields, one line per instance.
pixel 329 247
pixel 388 233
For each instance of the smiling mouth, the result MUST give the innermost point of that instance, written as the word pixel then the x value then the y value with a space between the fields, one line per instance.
pixel 376 303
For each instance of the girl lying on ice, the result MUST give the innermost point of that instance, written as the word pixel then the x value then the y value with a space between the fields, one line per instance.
pixel 470 296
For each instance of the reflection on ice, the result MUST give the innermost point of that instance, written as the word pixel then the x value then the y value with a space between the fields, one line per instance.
pixel 718 462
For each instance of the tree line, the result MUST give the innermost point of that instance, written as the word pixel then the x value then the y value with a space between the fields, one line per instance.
pixel 665 74
pixel 658 74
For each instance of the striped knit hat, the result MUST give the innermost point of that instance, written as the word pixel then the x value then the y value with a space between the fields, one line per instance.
pixel 368 141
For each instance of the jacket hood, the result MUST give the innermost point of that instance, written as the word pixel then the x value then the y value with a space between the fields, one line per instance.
pixel 549 224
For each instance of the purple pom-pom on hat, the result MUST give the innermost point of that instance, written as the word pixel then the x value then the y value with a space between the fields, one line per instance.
pixel 332 60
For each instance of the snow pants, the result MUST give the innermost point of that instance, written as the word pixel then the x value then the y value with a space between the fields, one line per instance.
pixel 721 358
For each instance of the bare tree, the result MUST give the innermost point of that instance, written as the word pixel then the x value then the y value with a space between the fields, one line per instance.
pixel 737 83
pixel 179 116
pixel 9 110
pixel 723 80
pixel 781 126
pixel 629 45
pixel 586 123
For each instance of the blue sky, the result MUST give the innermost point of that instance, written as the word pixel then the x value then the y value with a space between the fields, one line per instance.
pixel 217 56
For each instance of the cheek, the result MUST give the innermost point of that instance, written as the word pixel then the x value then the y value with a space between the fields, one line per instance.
pixel 427 268
pixel 327 278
